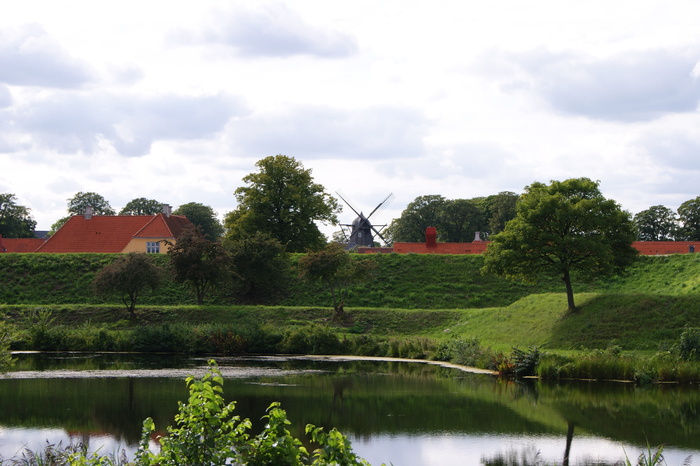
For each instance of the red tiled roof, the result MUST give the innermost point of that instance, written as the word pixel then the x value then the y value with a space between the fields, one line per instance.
pixel 20 244
pixel 108 233
pixel 161 226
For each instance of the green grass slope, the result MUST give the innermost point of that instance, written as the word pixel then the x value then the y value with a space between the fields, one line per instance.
pixel 409 295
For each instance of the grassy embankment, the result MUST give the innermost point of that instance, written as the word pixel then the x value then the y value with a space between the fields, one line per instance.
pixel 412 302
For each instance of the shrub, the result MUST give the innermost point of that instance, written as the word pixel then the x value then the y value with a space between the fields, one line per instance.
pixel 464 351
pixel 207 432
pixel 525 361
pixel 689 346
pixel 311 339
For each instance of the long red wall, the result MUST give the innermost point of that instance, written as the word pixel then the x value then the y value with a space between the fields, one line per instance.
pixel 645 248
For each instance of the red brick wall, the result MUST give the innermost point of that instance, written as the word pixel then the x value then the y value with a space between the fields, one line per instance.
pixel 441 248
pixel 653 248
pixel 645 248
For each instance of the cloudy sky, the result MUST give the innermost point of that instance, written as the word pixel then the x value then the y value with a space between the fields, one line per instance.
pixel 176 101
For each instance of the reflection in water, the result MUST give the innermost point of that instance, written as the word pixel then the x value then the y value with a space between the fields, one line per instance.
pixel 403 413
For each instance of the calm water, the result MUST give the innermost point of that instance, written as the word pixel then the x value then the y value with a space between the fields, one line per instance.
pixel 398 412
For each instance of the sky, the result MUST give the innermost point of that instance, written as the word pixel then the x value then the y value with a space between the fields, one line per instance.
pixel 176 101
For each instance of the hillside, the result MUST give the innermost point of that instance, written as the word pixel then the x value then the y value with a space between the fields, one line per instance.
pixel 409 296
pixel 412 281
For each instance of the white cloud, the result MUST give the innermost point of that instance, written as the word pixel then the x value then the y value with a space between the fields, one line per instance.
pixel 270 30
pixel 30 57
pixel 72 122
pixel 323 132
pixel 632 86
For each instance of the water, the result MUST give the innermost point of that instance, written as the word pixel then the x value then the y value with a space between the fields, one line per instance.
pixel 393 412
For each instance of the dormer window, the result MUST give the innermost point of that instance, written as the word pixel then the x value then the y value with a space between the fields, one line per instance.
pixel 153 247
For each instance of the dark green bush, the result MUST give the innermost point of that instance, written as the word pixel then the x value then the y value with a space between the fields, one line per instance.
pixel 311 339
pixel 689 346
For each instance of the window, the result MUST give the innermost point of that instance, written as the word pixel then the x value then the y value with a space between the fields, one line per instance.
pixel 153 247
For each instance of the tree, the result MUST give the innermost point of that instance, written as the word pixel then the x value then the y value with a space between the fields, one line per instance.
pixel 204 217
pixel 128 276
pixel 689 218
pixel 337 270
pixel 423 212
pixel 499 209
pixel 657 223
pixel 78 204
pixel 283 201
pixel 197 261
pixel 458 220
pixel 260 265
pixel 142 206
pixel 15 220
pixel 563 228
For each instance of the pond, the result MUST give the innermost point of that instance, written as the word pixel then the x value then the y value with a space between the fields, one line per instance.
pixel 405 413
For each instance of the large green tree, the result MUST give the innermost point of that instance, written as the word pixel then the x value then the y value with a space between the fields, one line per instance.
pixel 498 209
pixel 458 220
pixel 199 262
pixel 689 218
pixel 564 228
pixel 422 212
pixel 204 217
pixel 657 223
pixel 15 220
pixel 128 276
pixel 283 200
pixel 142 206
pixel 260 266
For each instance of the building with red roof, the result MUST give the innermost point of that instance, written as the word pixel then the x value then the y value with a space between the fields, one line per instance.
pixel 19 244
pixel 116 233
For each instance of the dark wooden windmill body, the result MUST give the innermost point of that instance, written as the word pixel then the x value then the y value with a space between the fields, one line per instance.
pixel 361 232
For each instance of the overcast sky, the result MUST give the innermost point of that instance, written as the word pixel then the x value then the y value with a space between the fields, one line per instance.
pixel 176 101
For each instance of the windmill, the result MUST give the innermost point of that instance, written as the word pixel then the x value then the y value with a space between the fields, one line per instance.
pixel 361 229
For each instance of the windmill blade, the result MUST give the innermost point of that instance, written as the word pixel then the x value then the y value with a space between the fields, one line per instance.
pixel 380 204
pixel 377 232
pixel 348 204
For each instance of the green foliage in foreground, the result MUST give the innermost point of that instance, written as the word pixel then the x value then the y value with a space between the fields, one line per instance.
pixel 206 431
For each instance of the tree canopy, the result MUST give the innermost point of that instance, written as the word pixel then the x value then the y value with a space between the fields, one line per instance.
pixel 563 228
pixel 199 262
pixel 100 206
pixel 128 276
pixel 260 266
pixel 283 200
pixel 204 217
pixel 657 223
pixel 456 220
pixel 333 266
pixel 142 206
pixel 15 220
pixel 78 204
pixel 689 218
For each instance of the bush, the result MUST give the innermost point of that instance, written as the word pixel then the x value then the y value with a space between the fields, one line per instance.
pixel 207 432
pixel 689 346
pixel 464 351
pixel 311 339
pixel 525 361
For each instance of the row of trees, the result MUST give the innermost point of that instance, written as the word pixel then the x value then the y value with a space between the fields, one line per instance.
pixel 252 268
pixel 659 223
pixel 456 220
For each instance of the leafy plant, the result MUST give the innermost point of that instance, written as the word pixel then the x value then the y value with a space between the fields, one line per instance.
pixel 689 346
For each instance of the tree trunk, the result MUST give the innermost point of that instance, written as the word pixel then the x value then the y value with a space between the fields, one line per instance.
pixel 569 291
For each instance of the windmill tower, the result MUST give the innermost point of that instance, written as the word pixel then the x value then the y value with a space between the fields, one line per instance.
pixel 361 230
